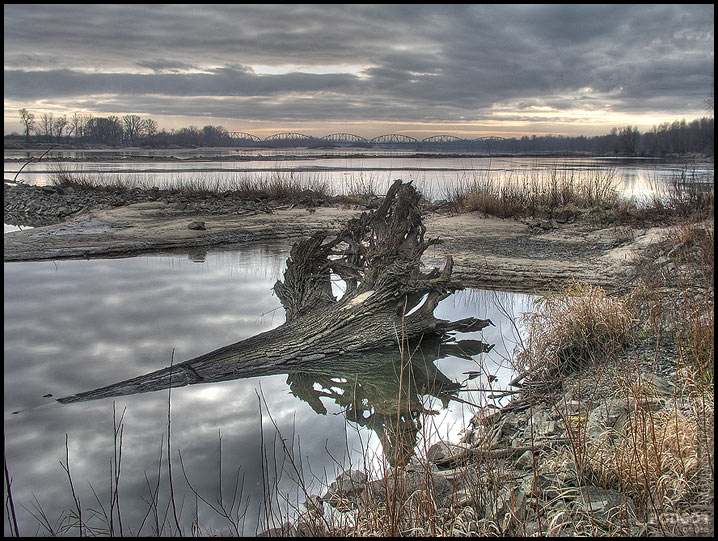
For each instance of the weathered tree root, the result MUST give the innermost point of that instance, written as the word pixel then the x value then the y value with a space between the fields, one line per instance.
pixel 388 300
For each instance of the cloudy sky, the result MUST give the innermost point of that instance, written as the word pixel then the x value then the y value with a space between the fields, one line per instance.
pixel 468 70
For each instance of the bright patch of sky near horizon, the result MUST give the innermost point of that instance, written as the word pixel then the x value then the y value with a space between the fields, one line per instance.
pixel 422 69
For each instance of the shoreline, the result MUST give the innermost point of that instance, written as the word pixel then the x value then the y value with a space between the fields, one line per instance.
pixel 488 252
pixel 298 153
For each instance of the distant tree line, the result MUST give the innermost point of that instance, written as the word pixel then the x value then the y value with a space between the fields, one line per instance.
pixel 669 138
pixel 678 137
pixel 115 131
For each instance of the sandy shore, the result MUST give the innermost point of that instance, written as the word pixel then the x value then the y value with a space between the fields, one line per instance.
pixel 488 252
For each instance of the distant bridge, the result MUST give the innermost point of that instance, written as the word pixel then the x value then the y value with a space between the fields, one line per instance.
pixel 243 136
pixel 443 139
pixel 290 138
pixel 394 138
pixel 344 138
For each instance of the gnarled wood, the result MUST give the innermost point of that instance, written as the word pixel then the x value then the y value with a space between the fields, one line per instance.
pixel 388 300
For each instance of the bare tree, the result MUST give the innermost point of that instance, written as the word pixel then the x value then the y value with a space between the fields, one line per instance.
pixel 59 126
pixel 47 124
pixel 28 120
pixel 77 124
pixel 628 139
pixel 132 126
pixel 149 127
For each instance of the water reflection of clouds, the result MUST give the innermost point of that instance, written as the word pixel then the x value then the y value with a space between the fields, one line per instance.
pixel 436 177
pixel 505 311
pixel 76 325
pixel 79 324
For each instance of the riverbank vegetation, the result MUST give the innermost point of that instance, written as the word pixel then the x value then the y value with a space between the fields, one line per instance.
pixel 566 195
pixel 558 193
pixel 277 186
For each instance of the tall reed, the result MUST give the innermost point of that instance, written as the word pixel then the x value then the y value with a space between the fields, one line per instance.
pixel 534 193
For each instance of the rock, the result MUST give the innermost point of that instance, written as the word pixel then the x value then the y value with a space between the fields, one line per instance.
pixel 525 461
pixel 509 424
pixel 465 497
pixel 675 249
pixel 33 206
pixel 543 485
pixel 606 416
pixel 410 483
pixel 344 492
pixel 415 465
pixel 658 384
pixel 314 504
pixel 508 500
pixel 197 225
pixel 444 453
pixel 543 424
pixel 566 216
pixel 605 504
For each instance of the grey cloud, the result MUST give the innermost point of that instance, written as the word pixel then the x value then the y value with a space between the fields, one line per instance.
pixel 159 65
pixel 421 60
pixel 219 82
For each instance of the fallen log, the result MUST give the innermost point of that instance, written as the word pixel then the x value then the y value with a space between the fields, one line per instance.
pixel 388 301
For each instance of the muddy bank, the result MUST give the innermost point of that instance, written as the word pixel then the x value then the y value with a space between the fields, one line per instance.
pixel 488 252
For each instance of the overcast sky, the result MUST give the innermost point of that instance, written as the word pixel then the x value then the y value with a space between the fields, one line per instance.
pixel 463 69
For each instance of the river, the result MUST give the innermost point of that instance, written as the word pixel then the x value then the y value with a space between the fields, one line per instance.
pixel 341 170
pixel 74 325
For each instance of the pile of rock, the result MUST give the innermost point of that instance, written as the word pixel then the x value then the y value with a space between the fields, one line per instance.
pixel 29 205
pixel 512 473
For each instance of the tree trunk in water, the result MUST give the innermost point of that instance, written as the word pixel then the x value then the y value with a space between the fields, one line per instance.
pixel 388 300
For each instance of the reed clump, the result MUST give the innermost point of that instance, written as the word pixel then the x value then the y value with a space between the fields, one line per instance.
pixel 594 195
pixel 535 193
pixel 686 194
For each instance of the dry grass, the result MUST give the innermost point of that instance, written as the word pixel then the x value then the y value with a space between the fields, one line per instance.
pixel 580 326
pixel 661 452
pixel 685 195
pixel 277 187
pixel 535 193
pixel 593 195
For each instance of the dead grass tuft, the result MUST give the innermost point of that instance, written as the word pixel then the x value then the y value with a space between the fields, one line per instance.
pixel 580 326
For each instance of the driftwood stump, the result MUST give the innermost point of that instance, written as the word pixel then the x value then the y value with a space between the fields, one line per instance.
pixel 388 301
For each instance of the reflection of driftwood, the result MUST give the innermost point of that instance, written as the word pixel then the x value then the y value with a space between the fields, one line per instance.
pixel 387 299
pixel 374 388
pixel 380 393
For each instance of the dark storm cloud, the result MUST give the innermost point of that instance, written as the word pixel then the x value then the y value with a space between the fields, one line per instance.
pixel 393 62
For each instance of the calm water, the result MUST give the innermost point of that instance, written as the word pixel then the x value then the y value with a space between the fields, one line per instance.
pixel 72 326
pixel 342 170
